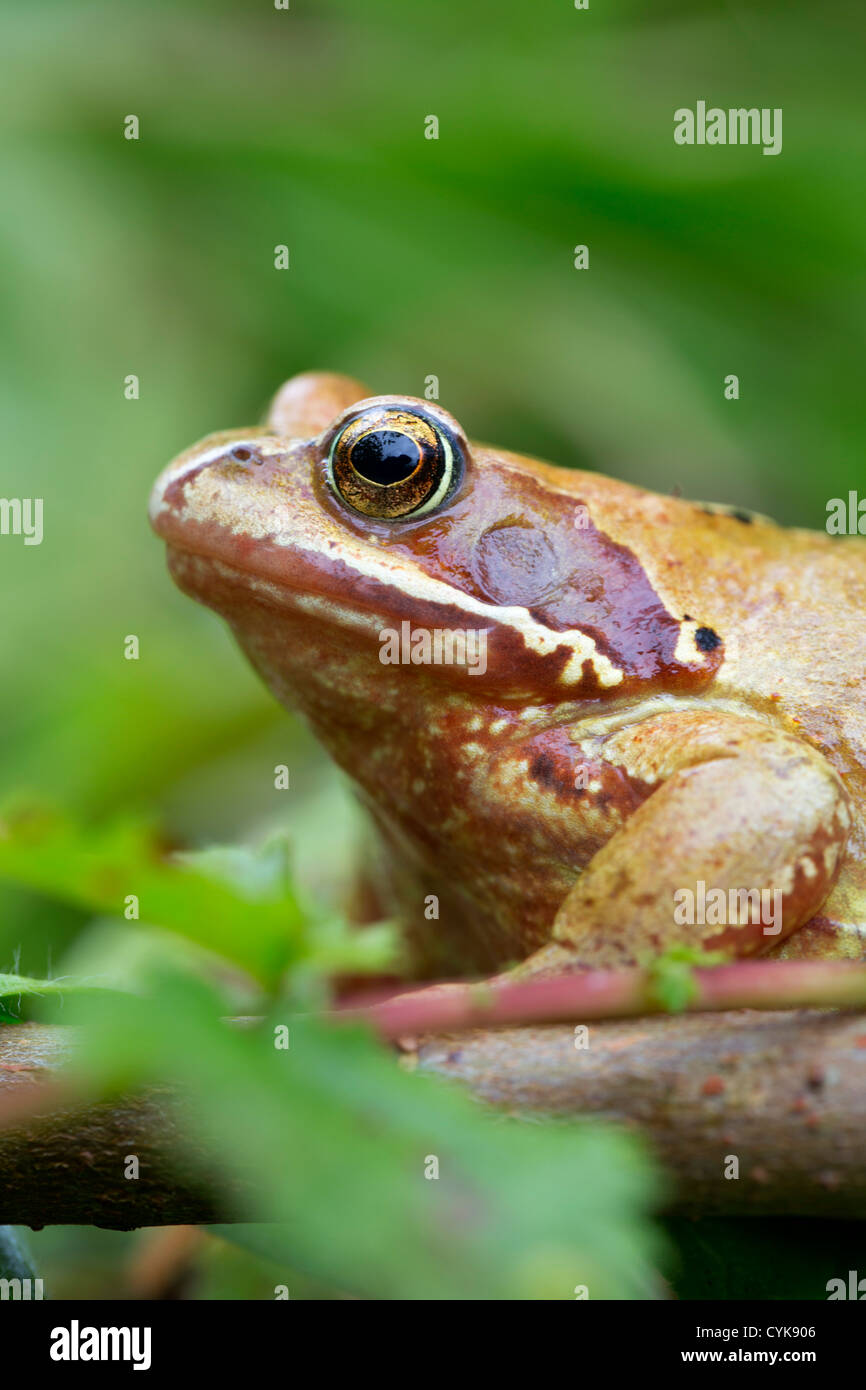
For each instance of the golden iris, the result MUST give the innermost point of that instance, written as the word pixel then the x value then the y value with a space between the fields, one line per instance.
pixel 391 462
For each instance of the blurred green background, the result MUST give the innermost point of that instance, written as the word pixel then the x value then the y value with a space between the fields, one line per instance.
pixel 409 257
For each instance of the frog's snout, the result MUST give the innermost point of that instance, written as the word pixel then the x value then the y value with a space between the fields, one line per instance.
pixel 227 457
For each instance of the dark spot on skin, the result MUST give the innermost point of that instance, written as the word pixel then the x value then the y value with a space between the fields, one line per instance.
pixel 706 640
pixel 746 517
pixel 543 769
pixel 241 454
pixel 687 617
pixel 555 776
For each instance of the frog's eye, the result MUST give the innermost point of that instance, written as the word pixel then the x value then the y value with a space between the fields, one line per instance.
pixel 393 462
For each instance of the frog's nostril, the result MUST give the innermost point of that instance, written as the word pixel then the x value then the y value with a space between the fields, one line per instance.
pixel 248 453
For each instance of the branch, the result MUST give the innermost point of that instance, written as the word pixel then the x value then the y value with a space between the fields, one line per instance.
pixel 784 1092
pixel 60 1163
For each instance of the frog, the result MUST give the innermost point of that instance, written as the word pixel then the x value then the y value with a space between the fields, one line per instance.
pixel 564 702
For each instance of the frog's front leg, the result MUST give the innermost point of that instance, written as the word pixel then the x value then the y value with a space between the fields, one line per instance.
pixel 734 804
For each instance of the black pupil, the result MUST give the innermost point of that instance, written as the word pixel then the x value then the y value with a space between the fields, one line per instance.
pixel 385 457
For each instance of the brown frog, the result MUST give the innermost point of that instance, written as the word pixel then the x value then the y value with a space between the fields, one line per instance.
pixel 588 721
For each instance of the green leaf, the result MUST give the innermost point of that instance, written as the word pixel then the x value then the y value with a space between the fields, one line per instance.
pixel 101 867
pixel 672 978
pixel 335 1139
pixel 261 875
pixel 235 902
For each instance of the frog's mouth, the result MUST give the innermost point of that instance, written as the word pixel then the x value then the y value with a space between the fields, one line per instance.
pixel 498 651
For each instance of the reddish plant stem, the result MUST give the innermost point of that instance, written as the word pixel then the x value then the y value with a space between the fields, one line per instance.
pixel 614 994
